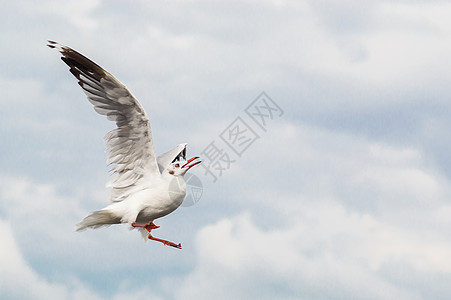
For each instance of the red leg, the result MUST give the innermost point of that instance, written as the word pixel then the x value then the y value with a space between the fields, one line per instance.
pixel 148 227
pixel 151 226
pixel 167 243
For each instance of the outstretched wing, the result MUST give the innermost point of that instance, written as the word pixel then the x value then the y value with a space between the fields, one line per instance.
pixel 130 146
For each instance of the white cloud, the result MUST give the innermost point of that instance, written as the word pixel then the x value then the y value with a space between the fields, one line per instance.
pixel 324 251
pixel 80 14
pixel 349 210
pixel 326 254
pixel 386 48
pixel 19 281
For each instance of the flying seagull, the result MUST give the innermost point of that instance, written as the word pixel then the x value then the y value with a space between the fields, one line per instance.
pixel 147 187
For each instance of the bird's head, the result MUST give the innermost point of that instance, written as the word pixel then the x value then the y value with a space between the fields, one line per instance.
pixel 179 168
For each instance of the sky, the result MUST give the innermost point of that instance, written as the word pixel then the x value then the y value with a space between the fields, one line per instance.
pixel 324 132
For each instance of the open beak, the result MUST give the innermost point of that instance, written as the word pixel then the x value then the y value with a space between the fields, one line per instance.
pixel 188 165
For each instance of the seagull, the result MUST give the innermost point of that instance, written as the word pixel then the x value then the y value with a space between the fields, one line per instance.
pixel 147 187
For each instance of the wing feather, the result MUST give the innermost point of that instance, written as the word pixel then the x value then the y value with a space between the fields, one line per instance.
pixel 130 146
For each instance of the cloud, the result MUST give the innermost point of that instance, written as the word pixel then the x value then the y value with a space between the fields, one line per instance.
pixel 236 259
pixel 345 196
pixel 327 252
pixel 353 218
pixel 19 281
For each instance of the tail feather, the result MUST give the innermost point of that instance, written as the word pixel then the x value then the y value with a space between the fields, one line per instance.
pixel 98 219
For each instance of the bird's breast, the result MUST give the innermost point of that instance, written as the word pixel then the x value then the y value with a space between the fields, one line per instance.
pixel 160 202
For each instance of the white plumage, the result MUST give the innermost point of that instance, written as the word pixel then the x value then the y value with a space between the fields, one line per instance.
pixel 146 187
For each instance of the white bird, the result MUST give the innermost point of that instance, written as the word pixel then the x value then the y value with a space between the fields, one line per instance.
pixel 147 187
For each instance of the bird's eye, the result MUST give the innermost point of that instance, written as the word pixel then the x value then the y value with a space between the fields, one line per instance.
pixel 176 165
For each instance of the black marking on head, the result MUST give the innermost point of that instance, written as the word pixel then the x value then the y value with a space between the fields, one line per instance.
pixel 171 172
pixel 180 156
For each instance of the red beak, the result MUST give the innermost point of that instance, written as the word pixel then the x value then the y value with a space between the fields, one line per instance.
pixel 187 165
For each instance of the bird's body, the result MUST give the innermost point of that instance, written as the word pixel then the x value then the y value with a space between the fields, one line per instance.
pixel 141 207
pixel 147 187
